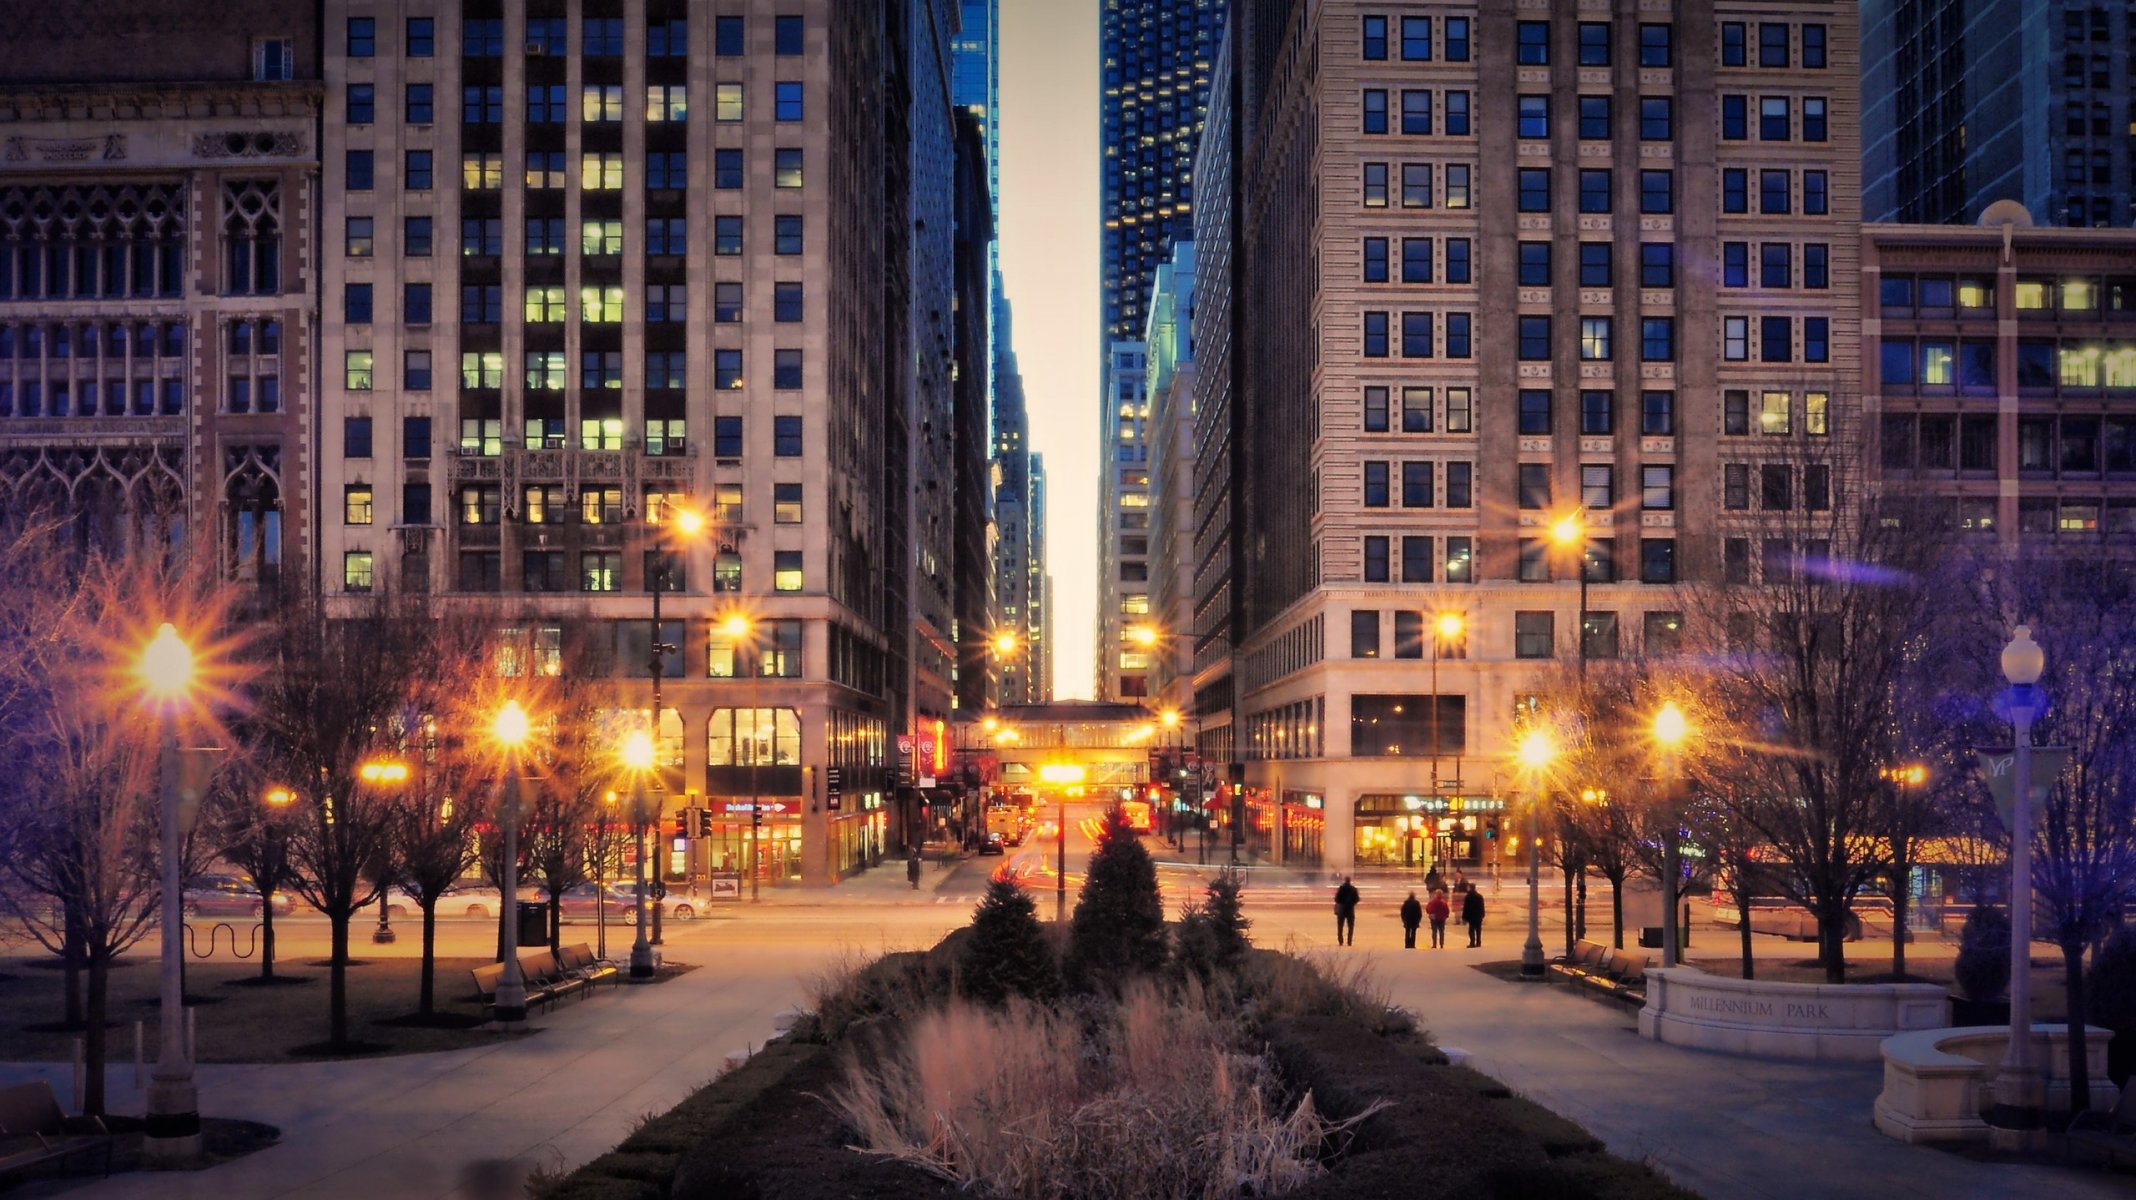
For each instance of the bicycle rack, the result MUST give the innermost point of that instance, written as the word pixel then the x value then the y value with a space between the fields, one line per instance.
pixel 215 932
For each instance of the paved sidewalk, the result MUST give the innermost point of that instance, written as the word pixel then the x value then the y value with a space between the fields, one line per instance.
pixel 1721 1125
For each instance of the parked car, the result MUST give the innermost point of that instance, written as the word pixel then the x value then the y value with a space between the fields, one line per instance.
pixel 993 843
pixel 674 906
pixel 472 900
pixel 582 902
pixel 221 895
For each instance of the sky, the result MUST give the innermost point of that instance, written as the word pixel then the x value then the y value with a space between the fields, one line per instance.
pixel 1049 265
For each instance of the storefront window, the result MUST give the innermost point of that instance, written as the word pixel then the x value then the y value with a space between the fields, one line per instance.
pixel 741 737
pixel 1416 831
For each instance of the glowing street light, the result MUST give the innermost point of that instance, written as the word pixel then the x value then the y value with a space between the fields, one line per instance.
pixel 166 673
pixel 1671 728
pixel 638 754
pixel 383 773
pixel 1066 777
pixel 510 729
pixel 1448 628
pixel 1144 636
pixel 1535 751
pixel 1005 643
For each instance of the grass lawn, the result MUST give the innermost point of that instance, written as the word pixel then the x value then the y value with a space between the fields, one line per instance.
pixel 236 1021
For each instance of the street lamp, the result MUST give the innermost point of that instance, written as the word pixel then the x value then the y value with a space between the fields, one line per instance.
pixel 1570 532
pixel 1062 776
pixel 509 730
pixel 1445 628
pixel 1536 750
pixel 2019 1096
pixel 1671 727
pixel 688 523
pixel 381 774
pixel 172 1134
pixel 739 627
pixel 638 756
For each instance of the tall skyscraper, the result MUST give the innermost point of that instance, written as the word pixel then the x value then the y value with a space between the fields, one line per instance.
pixel 1172 439
pixel 1567 320
pixel 1038 592
pixel 588 261
pixel 1121 671
pixel 1966 102
pixel 158 278
pixel 1156 57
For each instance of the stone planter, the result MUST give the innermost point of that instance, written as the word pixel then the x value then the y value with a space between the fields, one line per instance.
pixel 1829 1022
pixel 1940 1083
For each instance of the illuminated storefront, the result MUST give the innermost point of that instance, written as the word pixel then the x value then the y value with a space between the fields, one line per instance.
pixel 1415 831
pixel 1304 829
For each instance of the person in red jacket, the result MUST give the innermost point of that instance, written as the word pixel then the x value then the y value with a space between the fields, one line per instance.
pixel 1437 911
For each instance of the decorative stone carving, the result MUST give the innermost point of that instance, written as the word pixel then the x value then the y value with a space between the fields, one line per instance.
pixel 110 148
pixel 254 144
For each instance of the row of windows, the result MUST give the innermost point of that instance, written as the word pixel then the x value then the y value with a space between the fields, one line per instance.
pixel 552 504
pixel 1657 338
pixel 483 237
pixel 1776 488
pixel 114 342
pixel 1777 189
pixel 1532 44
pixel 1413 38
pixel 1775 340
pixel 1423 559
pixel 1657 264
pixel 1534 636
pixel 34 269
pixel 1657 118
pixel 1416 112
pixel 1417 483
pixel 598 304
pixel 599 370
pixel 602 571
pixel 1657 190
pixel 1775 118
pixel 2066 445
pixel 1598 487
pixel 601 37
pixel 484 436
pixel 90 398
pixel 598 171
pixel 1776 413
pixel 547 170
pixel 1418 329
pixel 1974 295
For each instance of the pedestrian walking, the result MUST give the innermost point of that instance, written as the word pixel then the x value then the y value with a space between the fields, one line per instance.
pixel 1432 880
pixel 1472 916
pixel 1346 913
pixel 1412 916
pixel 912 868
pixel 1438 910
pixel 1461 883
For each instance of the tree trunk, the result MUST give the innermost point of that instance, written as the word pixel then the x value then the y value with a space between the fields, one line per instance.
pixel 266 937
pixel 1616 912
pixel 1901 883
pixel 337 1023
pixel 71 957
pixel 556 923
pixel 95 1045
pixel 1832 936
pixel 426 996
pixel 2079 1069
pixel 1580 901
pixel 1743 901
pixel 1570 934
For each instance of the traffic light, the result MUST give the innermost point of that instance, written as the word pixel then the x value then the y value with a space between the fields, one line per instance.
pixel 680 827
pixel 1490 829
pixel 694 822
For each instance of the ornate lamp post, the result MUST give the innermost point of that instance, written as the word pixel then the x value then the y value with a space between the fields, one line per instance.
pixel 384 775
pixel 510 730
pixel 172 1133
pixel 1535 752
pixel 1670 729
pixel 638 756
pixel 2019 1093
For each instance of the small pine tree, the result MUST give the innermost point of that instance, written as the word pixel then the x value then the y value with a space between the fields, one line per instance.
pixel 1227 917
pixel 1118 927
pixel 1006 954
pixel 1983 966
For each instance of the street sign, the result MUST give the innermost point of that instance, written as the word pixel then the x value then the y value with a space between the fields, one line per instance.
pixel 905 744
pixel 1998 766
pixel 1450 785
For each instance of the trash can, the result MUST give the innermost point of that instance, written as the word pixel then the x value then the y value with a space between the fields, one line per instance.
pixel 533 923
pixel 1650 937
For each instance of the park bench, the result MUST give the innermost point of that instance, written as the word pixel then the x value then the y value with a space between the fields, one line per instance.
pixel 34 1130
pixel 1586 960
pixel 2112 1135
pixel 580 962
pixel 1611 972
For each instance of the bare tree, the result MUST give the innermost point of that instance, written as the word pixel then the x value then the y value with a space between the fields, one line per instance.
pixel 247 821
pixel 2082 608
pixel 571 805
pixel 1823 649
pixel 330 688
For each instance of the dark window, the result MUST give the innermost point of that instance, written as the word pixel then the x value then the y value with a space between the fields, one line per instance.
pixel 1657 119
pixel 1416 568
pixel 415 304
pixel 363 37
pixel 1457 113
pixel 1375 110
pixel 1535 338
pixel 1594 190
pixel 360 170
pixel 1776 488
pixel 790 36
pixel 1533 38
pixel 418 175
pixel 1534 189
pixel 1735 264
pixel 1376 410
pixel 726 437
pixel 1457 39
pixel 422 37
pixel 1816 193
pixel 362 104
pixel 1534 412
pixel 1735 118
pixel 1457 335
pixel 1735 413
pixel 356 303
pixel 1813 119
pixel 728 37
pixel 1416 485
pixel 786 235
pixel 1816 265
pixel 1776 340
pixel 1535 264
pixel 1656 45
pixel 1657 264
pixel 356 437
pixel 1657 414
pixel 1657 560
pixel 1598 634
pixel 1773 119
pixel 1816 339
pixel 1460 485
pixel 1534 116
pixel 1773 191
pixel 1416 112
pixel 1364 633
pixel 1457 260
pixel 1657 339
pixel 1595 264
pixel 786 370
pixel 1772 44
pixel 1735 44
pixel 1813 46
pixel 415 440
pixel 786 101
pixel 1374 39
pixel 1416 39
pixel 1376 566
pixel 1594 43
pixel 786 436
pixel 1597 410
pixel 1594 118
pixel 1375 484
pixel 1534 634
pixel 1657 191
pixel 1416 260
pixel 1735 190
pixel 1375 335
pixel 1375 260
pixel 1407 726
pixel 1776 265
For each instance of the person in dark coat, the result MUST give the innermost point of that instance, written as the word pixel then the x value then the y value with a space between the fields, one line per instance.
pixel 912 868
pixel 1472 916
pixel 1438 910
pixel 1346 913
pixel 1412 916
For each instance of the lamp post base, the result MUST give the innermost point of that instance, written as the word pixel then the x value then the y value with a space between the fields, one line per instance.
pixel 642 966
pixel 1532 969
pixel 171 1133
pixel 383 936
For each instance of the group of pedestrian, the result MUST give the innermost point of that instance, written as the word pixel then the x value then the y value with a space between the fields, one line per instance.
pixel 1415 912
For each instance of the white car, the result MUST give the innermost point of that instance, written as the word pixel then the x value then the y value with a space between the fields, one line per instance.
pixel 675 906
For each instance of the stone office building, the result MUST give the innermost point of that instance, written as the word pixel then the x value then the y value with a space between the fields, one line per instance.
pixel 158 172
pixel 1510 267
pixel 589 260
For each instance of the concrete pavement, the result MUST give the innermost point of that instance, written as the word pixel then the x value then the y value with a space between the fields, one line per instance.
pixel 1723 1126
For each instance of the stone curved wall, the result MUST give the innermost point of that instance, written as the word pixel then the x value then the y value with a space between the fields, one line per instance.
pixel 1831 1022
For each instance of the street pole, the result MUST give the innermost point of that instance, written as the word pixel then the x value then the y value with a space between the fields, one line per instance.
pixel 1060 862
pixel 645 884
pixel 1671 867
pixel 641 950
pixel 756 815
pixel 600 882
pixel 511 1005
pixel 172 1131
pixel 2019 1095
pixel 1531 951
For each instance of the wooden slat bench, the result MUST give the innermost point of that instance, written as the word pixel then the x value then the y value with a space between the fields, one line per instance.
pixel 34 1130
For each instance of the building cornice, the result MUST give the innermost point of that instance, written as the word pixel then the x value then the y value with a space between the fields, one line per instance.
pixel 144 102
